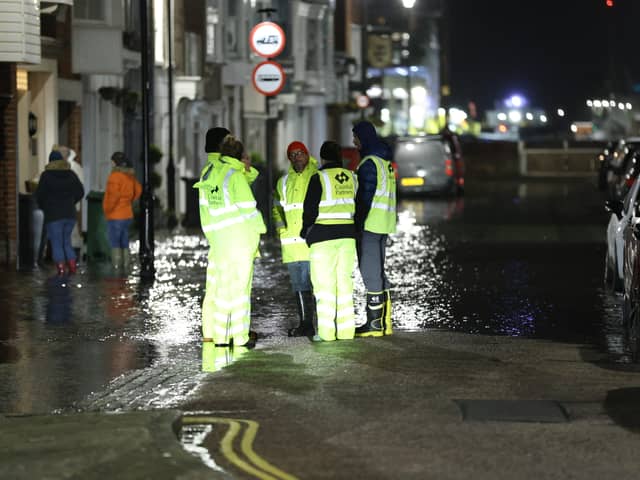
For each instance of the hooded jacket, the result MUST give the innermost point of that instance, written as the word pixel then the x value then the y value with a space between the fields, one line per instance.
pixel 370 144
pixel 58 191
pixel 122 189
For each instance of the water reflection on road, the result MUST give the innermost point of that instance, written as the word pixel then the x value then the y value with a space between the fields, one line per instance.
pixel 500 260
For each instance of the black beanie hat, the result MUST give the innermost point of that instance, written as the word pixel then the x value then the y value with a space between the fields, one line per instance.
pixel 331 152
pixel 214 139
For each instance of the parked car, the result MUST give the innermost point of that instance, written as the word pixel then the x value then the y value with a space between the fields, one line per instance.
pixel 604 163
pixel 427 164
pixel 631 166
pixel 618 160
pixel 631 274
pixel 614 256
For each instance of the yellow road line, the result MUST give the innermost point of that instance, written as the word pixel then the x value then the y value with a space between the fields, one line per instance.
pixel 246 447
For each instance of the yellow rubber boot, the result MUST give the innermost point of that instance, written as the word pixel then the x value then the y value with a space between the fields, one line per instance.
pixel 388 328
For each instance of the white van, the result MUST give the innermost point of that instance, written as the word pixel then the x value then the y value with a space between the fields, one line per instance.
pixel 425 165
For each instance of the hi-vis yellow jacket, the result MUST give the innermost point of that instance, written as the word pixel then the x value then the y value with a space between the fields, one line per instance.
pixel 291 189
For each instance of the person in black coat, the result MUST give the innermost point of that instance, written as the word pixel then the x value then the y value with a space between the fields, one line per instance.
pixel 59 189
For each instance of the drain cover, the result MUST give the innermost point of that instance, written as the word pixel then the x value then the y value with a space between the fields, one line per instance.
pixel 540 411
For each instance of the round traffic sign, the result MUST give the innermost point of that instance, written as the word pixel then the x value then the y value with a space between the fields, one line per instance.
pixel 362 101
pixel 268 78
pixel 267 39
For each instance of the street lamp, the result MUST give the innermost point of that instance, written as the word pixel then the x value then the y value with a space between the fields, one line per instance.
pixel 408 3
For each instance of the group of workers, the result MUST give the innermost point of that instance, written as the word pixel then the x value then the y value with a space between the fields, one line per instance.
pixel 325 215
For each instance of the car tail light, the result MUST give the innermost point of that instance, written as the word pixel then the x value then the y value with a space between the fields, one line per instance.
pixel 630 181
pixel 448 167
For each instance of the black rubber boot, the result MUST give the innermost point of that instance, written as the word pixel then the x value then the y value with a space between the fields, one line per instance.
pixel 375 313
pixel 310 325
pixel 302 316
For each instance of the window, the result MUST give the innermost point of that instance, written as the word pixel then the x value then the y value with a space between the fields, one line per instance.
pixel 192 54
pixel 89 10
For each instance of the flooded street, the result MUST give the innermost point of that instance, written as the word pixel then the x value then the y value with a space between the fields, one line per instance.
pixel 510 258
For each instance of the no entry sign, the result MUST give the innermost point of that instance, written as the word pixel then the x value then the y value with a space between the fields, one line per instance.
pixel 268 78
pixel 267 39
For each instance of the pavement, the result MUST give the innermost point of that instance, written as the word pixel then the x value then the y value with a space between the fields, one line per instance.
pixel 405 406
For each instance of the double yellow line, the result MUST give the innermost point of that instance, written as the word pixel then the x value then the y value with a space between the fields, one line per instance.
pixel 255 465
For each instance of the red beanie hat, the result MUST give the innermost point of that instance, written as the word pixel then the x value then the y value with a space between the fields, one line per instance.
pixel 297 146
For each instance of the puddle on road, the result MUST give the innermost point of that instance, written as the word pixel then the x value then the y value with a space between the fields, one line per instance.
pixel 62 340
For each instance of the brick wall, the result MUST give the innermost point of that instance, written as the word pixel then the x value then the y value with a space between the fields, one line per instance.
pixel 8 167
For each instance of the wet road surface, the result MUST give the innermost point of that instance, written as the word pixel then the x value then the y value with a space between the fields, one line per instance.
pixel 509 258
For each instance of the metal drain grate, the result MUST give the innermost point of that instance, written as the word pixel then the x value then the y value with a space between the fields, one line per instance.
pixel 536 411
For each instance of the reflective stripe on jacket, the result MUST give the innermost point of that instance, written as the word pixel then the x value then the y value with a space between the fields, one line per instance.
pixel 226 199
pixel 382 215
pixel 287 211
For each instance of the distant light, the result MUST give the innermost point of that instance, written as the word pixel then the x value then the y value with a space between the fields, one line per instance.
pixel 589 103
pixel 374 92
pixel 385 115
pixel 418 116
pixel 609 3
pixel 560 112
pixel 406 35
pixel 400 93
pixel 441 112
pixel 574 128
pixel 597 103
pixel 515 116
pixel 457 116
pixel 502 128
pixel 517 101
pixel 418 94
pixel 411 3
pixel 414 69
pixel 502 116
pixel 629 106
pixel 621 106
pixel 401 71
pixel 529 116
pixel 605 103
pixel 543 118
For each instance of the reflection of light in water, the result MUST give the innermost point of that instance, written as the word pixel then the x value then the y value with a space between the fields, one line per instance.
pixel 415 274
pixel 431 210
pixel 216 358
pixel 192 437
pixel 172 303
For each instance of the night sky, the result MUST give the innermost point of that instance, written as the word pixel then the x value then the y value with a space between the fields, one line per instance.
pixel 555 52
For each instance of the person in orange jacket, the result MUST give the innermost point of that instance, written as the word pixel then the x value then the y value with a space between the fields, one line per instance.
pixel 122 189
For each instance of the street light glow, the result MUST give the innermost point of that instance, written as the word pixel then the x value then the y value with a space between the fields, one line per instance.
pixel 515 116
pixel 408 3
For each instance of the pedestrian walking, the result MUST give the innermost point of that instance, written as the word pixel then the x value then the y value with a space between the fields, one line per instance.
pixel 57 193
pixel 122 189
pixel 291 190
pixel 328 227
pixel 232 225
pixel 375 219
